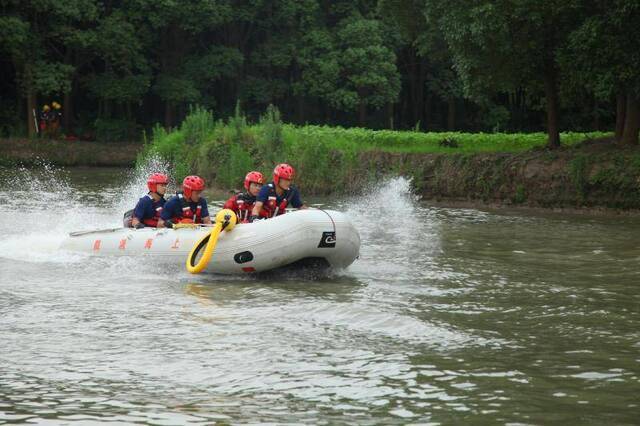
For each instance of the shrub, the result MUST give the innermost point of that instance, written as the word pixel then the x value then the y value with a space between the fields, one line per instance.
pixel 238 125
pixel 169 147
pixel 197 126
pixel 578 175
pixel 270 139
pixel 231 173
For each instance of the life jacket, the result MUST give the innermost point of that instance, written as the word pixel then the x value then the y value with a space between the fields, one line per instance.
pixel 272 207
pixel 242 204
pixel 188 214
pixel 153 221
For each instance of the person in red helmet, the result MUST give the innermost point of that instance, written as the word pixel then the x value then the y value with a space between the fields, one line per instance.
pixel 274 198
pixel 147 211
pixel 243 202
pixel 187 206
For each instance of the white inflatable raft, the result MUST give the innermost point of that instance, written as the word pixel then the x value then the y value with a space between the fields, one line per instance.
pixel 323 237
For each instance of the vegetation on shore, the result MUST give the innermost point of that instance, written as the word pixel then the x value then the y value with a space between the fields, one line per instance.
pixel 517 169
pixel 588 175
pixel 511 168
pixel 430 142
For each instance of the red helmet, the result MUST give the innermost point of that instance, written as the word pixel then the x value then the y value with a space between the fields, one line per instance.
pixel 283 171
pixel 253 177
pixel 192 183
pixel 155 179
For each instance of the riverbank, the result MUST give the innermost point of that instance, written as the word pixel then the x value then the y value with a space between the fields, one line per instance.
pixel 68 153
pixel 595 174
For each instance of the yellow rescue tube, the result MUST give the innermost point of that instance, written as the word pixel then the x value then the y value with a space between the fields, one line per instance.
pixel 225 221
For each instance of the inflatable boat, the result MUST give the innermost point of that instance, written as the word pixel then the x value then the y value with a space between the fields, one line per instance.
pixel 320 237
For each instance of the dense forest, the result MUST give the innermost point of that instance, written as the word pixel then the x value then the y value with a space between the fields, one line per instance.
pixel 118 67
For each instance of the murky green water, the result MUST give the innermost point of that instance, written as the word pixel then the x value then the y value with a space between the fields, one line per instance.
pixel 450 316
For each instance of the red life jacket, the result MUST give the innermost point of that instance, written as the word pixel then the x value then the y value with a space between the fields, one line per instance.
pixel 153 221
pixel 188 215
pixel 242 204
pixel 271 207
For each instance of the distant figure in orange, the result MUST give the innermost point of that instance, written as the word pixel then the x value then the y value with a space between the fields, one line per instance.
pixel 43 122
pixel 55 117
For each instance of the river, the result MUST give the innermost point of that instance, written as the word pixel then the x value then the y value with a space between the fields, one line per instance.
pixel 449 316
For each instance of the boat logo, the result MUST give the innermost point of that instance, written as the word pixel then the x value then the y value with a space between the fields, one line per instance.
pixel 328 239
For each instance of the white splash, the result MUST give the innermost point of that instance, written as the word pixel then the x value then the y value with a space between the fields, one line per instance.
pixel 41 206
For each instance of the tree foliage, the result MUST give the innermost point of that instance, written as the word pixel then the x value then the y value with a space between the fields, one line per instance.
pixel 429 64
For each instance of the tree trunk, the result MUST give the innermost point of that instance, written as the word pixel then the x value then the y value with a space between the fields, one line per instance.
pixel 67 106
pixel 621 110
pixel 518 112
pixel 32 123
pixel 631 122
pixel 551 93
pixel 168 115
pixel 20 101
pixel 419 89
pixel 300 110
pixel 428 112
pixel 523 108
pixel 390 115
pixel 451 114
pixel 67 101
pixel 31 107
pixel 412 83
pixel 404 117
pixel 107 108
pixel 362 113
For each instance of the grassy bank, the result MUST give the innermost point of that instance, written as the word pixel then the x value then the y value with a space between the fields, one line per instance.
pixel 588 175
pixel 328 160
pixel 68 154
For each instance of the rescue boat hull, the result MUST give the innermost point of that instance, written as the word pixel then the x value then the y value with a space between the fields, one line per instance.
pixel 256 247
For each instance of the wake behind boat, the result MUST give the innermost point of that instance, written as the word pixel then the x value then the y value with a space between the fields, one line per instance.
pixel 326 236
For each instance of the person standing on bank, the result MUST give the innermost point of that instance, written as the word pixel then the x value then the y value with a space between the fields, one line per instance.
pixel 275 197
pixel 43 123
pixel 55 118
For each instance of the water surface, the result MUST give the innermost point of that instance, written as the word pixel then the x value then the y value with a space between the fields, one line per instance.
pixel 450 316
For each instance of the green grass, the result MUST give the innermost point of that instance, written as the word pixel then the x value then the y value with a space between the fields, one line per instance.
pixel 420 142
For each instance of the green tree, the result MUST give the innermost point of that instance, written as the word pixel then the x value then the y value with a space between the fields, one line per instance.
pixel 180 41
pixel 601 57
pixel 368 73
pixel 273 68
pixel 318 63
pixel 38 36
pixel 427 58
pixel 505 44
pixel 123 72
